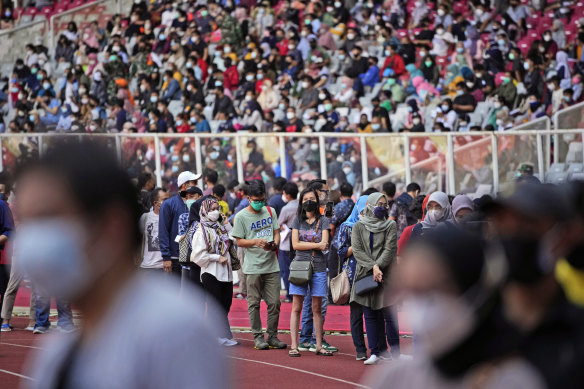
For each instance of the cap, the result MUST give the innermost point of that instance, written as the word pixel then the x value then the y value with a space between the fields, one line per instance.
pixel 526 168
pixel 187 176
pixel 192 190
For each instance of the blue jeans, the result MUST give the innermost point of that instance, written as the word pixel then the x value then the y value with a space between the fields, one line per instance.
pixel 43 308
pixel 380 324
pixel 307 325
pixel 284 260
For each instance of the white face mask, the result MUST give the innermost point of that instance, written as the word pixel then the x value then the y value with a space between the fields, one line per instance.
pixel 439 321
pixel 284 198
pixel 214 215
pixel 313 147
pixel 290 115
pixel 305 84
pixel 497 105
pixel 350 36
pixel 322 96
pixel 51 252
pixel 435 215
pixel 347 170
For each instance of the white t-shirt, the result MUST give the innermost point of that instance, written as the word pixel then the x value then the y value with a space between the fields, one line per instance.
pixel 174 346
pixel 152 258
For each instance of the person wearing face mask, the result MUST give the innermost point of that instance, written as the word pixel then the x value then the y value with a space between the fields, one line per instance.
pixel 533 79
pixel 446 115
pixel 374 246
pixel 80 246
pixel 458 323
pixel 464 102
pixel 213 251
pixel 151 257
pixel 393 61
pixel 170 212
pixel 555 95
pixel 257 232
pixel 310 239
pixel 293 123
pixel 285 219
pixel 462 206
pixel 438 211
pixel 277 200
pixel 535 228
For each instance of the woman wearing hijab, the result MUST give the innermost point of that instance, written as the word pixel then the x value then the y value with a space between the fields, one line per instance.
pixel 462 206
pixel 374 243
pixel 438 211
pixel 474 45
pixel 350 264
pixel 211 251
pixel 563 69
pixel 558 34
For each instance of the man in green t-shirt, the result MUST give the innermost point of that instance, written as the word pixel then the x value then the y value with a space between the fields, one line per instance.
pixel 256 230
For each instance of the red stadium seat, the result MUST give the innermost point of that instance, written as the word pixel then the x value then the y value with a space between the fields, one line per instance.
pixel 402 33
pixel 47 10
pixel 32 11
pixel 524 45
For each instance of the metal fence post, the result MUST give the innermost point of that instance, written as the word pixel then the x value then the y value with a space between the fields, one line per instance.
pixel 240 176
pixel 495 162
pixel 198 156
pixel 364 162
pixel 40 143
pixel 450 164
pixel 540 163
pixel 283 166
pixel 157 161
pixel 407 162
pixel 322 151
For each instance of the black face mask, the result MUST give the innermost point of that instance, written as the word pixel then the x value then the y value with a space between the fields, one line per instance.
pixel 309 206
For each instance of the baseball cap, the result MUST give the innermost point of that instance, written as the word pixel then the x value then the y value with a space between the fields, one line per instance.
pixel 187 176
pixel 192 190
pixel 526 168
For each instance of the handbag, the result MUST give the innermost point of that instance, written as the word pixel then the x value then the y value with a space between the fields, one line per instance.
pixel 341 288
pixel 235 262
pixel 301 271
pixel 366 285
pixel 184 248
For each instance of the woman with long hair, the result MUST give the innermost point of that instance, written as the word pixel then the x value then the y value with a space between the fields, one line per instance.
pixel 310 238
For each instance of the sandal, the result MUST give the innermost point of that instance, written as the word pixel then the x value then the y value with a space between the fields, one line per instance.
pixel 294 353
pixel 324 352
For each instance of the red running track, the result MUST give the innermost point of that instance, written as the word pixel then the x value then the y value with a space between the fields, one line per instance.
pixel 251 368
pixel 337 317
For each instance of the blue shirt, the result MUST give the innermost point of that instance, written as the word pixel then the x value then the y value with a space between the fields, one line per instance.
pixel 277 203
pixel 203 126
pixel 342 212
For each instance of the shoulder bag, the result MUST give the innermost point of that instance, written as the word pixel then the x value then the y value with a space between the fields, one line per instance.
pixel 341 288
pixel 366 284
pixel 301 271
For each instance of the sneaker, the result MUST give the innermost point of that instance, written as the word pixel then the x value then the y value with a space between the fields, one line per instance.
pixel 325 346
pixel 259 343
pixel 29 328
pixel 40 330
pixel 328 347
pixel 305 346
pixel 5 328
pixel 67 330
pixel 231 343
pixel 373 360
pixel 240 296
pixel 361 356
pixel 276 343
pixel 385 356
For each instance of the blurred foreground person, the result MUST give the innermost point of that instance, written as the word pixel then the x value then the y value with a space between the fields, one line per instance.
pixel 451 298
pixel 78 244
pixel 535 226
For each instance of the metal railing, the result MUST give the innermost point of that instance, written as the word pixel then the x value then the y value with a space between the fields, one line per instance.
pixel 454 163
pixel 13 42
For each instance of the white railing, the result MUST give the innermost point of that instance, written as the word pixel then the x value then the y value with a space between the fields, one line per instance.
pixel 467 162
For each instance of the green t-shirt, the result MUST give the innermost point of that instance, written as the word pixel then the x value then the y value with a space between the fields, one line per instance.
pixel 248 225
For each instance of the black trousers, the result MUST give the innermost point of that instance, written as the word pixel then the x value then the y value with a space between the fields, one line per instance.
pixel 220 293
pixel 4 278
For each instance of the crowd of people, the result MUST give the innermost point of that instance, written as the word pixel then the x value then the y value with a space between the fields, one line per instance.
pixel 491 286
pixel 299 66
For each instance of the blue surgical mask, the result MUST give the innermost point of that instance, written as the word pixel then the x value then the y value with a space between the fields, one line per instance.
pixel 46 85
pixel 51 253
pixel 375 126
pixel 460 50
pixel 189 203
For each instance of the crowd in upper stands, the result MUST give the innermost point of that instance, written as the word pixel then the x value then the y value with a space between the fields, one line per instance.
pixel 293 66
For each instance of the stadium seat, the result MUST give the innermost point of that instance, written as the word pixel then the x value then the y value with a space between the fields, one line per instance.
pixel 557 178
pixel 557 167
pixel 576 168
